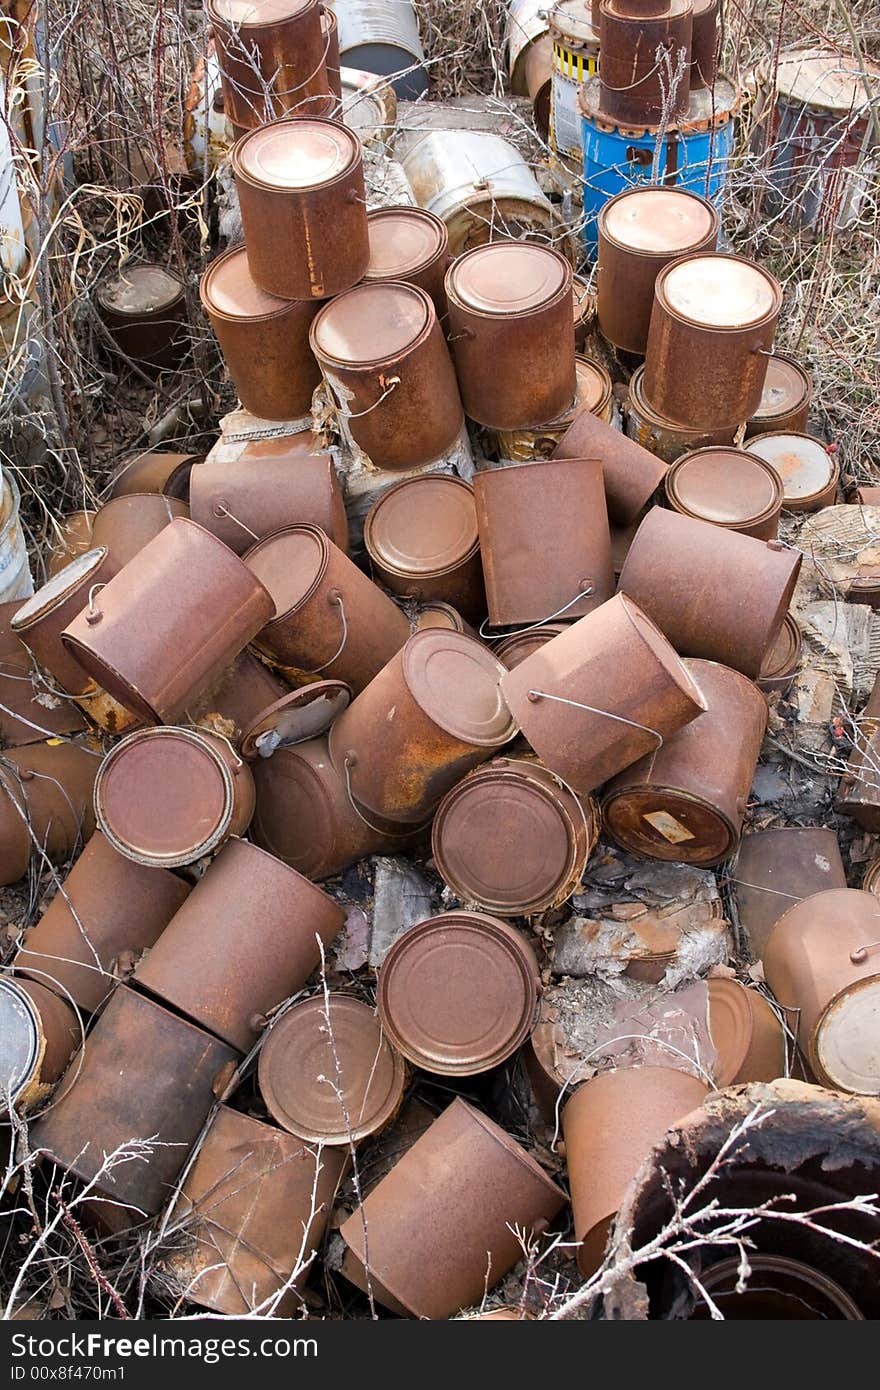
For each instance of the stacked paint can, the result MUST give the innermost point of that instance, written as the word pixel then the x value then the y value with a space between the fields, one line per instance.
pixel 575 58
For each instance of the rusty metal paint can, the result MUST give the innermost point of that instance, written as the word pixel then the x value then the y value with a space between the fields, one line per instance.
pixel 297 717
pixel 510 318
pixel 45 799
pixel 748 1036
pixel 631 474
pixel 74 538
pixel 108 912
pixel 512 839
pixel 383 354
pixel 124 525
pixel 162 630
pixel 421 537
pixel 809 472
pixel 600 695
pixel 705 43
pixel 264 340
pixel 330 618
pixel 621 539
pixel 244 940
pixel 634 85
pixel 41 619
pixel 328 1074
pixel 610 1125
pixel 248 500
pixel 435 614
pixel 144 1074
pixel 466 1188
pixel 431 715
pixel 594 394
pixel 781 1288
pixel 244 690
pixel 821 962
pixel 411 245
pixel 685 802
pixel 514 649
pixel 544 540
pixel 306 817
pixel 785 399
pixel 715 593
pixel 166 797
pixel 272 58
pixel 254 1208
pixel 660 436
pixel 23 717
pixel 727 487
pixel 330 31
pixel 303 207
pixel 782 658
pixel 153 472
pixel 38 1033
pixel 640 231
pixel 144 310
pixel 776 869
pixel 575 57
pixel 584 305
pixel 712 329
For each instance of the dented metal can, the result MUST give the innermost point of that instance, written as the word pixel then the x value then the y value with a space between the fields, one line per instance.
pixel 272 58
pixel 636 86
pixel 422 540
pixel 247 500
pixel 631 474
pixel 38 1032
pixel 748 1035
pixel 46 801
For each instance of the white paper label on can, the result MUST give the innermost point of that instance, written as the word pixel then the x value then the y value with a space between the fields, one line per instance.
pixel 670 828
pixel 569 71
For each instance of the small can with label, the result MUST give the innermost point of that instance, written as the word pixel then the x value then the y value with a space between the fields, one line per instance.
pixel 575 58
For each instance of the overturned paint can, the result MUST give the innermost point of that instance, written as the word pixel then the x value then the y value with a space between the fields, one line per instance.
pixel 145 1077
pixel 124 525
pixel 712 329
pixel 144 311
pixel 636 84
pixel 433 713
pixel 383 39
pixel 776 868
pixel 264 339
pixel 303 207
pixel 330 620
pixel 161 631
pixel 328 1074
pixel 512 839
pixel 640 231
pixel 510 316
pixel 38 1033
pixel 601 695
pixel 748 1035
pixel 421 537
pixel 785 399
pixel 45 801
pixel 272 58
pixel 783 657
pixel 108 911
pixel 662 437
pixel 594 394
pixel 383 354
pixel 810 473
pixel 409 244
pixel 544 540
pixel 297 717
pixel 467 1188
pixel 716 594
pixel 244 940
pixel 727 487
pixel 821 962
pixel 247 500
pixel 40 621
pixel 575 43
pixel 154 471
pixel 166 797
pixel 631 474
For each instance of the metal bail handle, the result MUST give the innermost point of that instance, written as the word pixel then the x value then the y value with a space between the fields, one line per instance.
pixel 221 508
pixel 860 954
pixel 94 615
pixel 535 695
pixel 334 598
pixel 349 762
pixel 585 589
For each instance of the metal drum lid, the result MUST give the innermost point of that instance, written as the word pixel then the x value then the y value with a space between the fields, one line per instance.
pixel 824 79
pixel 423 525
pixel 330 1089
pixel 303 153
pixel 802 462
pixel 295 718
pixel 845 1045
pixel 164 797
pixel 371 323
pixel 786 387
pixel 257 13
pixel 227 288
pixel 719 291
pixel 289 565
pixel 457 994
pixel 664 824
pixel 571 21
pixel 139 290
pixel 454 680
pixel 57 589
pixel 19 1041
pixel 507 277
pixel 783 655
pixel 402 240
pixel 727 486
pixel 658 221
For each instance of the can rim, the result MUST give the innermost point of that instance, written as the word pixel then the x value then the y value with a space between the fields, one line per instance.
pixel 680 504
pixel 324 548
pixel 659 790
pixel 354 161
pixel 100 553
pixel 285 305
pixel 138 314
pixel 804 399
pixel 421 215
pixel 517 314
pixel 729 330
pixel 814 1047
pixel 383 563
pixel 369 364
pixel 232 26
pixel 808 500
pixel 641 252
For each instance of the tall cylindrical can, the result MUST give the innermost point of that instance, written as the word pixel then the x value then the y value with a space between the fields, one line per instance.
pixel 40 621
pixel 575 57
pixel 46 800
pixel 249 499
pixel 409 244
pixel 635 86
pixel 124 525
pixel 272 58
pixel 631 474
pixel 422 540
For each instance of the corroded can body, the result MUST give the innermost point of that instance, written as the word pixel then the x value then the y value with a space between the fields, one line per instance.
pixel 38 1032
pixel 776 869
pixel 716 594
pixel 41 619
pixel 155 471
pixel 686 801
pixel 705 43
pixel 124 525
pixel 594 394
pixel 747 1033
pixel 45 800
pixel 635 87
pixel 270 65
pixel 409 244
pixel 631 474
pixel 422 540
pixel 659 436
pixel 250 499
pixel 785 400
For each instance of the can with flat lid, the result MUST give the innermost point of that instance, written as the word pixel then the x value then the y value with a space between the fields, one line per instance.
pixel 457 994
pixel 662 437
pixel 544 540
pixel 514 649
pixel 295 718
pixel 512 839
pixel 248 499
pixel 636 85
pixel 144 309
pixel 45 803
pixel 264 339
pixel 436 614
pixel 594 394
pixel 727 487
pixel 327 1072
pixel 809 473
pixel 632 475
pixel 272 56
pixel 575 57
pixel 41 619
pixel 330 619
pixel 712 329
pixel 785 399
pixel 748 1035
pixel 421 537
pixel 640 231
pixel 303 207
pixel 433 713
pixel 783 657
pixel 776 868
pixel 686 801
pixel 510 317
pixel 384 356
pixel 38 1032
pixel 124 525
pixel 823 964
pixel 409 244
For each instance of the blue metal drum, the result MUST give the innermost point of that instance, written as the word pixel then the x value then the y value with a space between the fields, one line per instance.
pixel 695 154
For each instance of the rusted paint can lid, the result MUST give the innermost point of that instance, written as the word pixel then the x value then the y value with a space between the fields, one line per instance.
pixel 140 290
pixel 164 797
pixel 289 564
pixel 727 486
pixel 303 1089
pixel 295 718
pixel 823 78
pixel 783 655
pixel 303 153
pixel 454 679
pixel 457 994
pixel 715 291
pixel 732 1026
pixel 63 583
pixel 257 13
pixel 845 1045
pixel 786 387
pixel 372 323
pixel 508 277
pixel 20 1042
pixel 664 823
pixel 423 526
pixel 802 462
pixel 402 240
pixel 657 221
pixel 514 649
pixel 437 614
pixel 227 288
